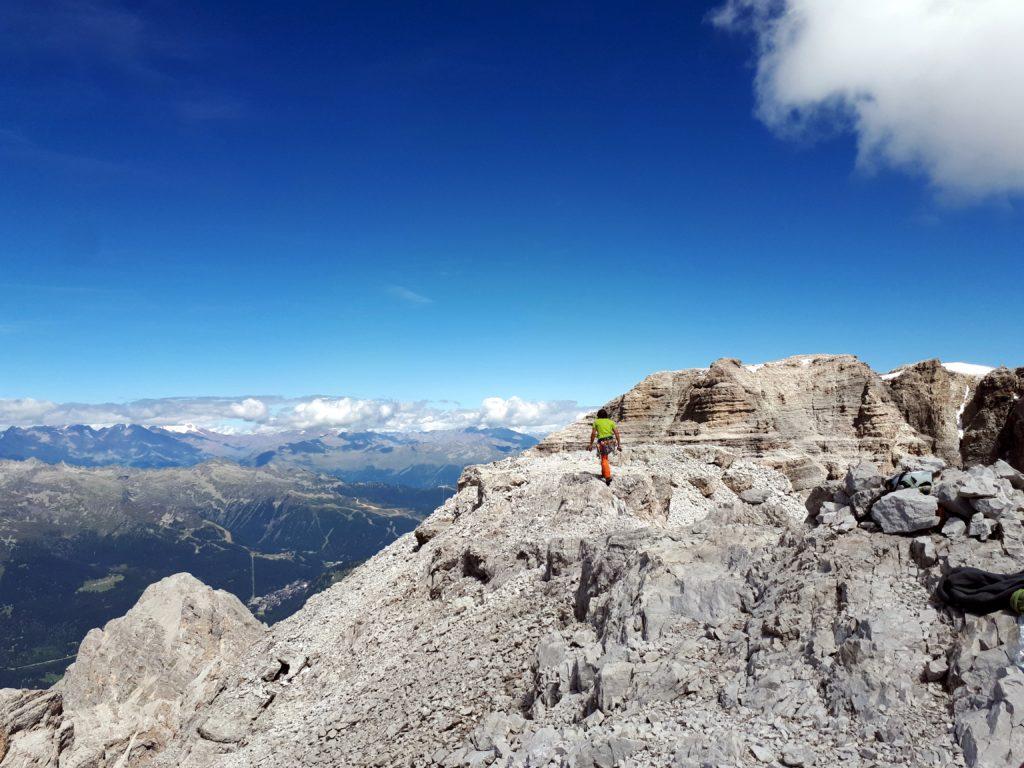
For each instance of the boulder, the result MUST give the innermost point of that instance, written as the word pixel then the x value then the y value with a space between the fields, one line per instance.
pixel 906 511
pixel 863 476
pixel 994 507
pixel 836 517
pixel 612 685
pixel 1004 471
pixel 978 486
pixel 931 464
pixel 936 670
pixel 954 528
pixel 706 484
pixel 981 527
pixel 755 495
pixel 947 491
pixel 922 549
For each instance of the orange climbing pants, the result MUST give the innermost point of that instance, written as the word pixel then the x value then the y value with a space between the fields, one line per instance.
pixel 604 449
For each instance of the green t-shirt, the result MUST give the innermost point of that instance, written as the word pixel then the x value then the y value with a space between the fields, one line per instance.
pixel 604 428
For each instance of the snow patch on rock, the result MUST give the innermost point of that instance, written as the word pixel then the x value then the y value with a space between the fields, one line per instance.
pixel 968 369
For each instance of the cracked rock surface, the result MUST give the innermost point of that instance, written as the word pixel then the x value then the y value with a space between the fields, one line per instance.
pixel 541 618
pixel 133 683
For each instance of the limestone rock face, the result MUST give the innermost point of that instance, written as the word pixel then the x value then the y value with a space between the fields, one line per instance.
pixel 807 415
pixel 1012 436
pixel 932 399
pixel 994 419
pixel 544 619
pixel 811 415
pixel 133 682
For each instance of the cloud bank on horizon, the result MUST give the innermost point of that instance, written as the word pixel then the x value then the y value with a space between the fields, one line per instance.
pixel 271 414
pixel 932 87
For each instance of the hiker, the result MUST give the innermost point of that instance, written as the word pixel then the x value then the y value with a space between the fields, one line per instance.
pixel 604 431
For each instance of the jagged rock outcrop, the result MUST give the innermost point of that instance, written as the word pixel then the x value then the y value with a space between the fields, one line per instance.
pixel 134 683
pixel 933 399
pixel 994 419
pixel 809 415
pixel 1012 445
pixel 542 618
pixel 978 660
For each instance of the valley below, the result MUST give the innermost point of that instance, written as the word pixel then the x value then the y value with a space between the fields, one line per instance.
pixel 91 516
pixel 79 545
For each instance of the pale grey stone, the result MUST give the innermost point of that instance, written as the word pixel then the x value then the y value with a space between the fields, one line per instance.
pixel 994 507
pixel 922 549
pixel 954 528
pixel 755 495
pixel 762 753
pixel 905 511
pixel 1004 471
pixel 981 527
pixel 863 476
pixel 947 490
pixel 932 464
pixel 796 755
pixel 936 670
pixel 978 487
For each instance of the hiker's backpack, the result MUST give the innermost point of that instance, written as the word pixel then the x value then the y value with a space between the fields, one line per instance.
pixel 921 479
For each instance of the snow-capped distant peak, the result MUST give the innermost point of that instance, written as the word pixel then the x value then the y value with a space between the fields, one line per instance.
pixel 969 369
pixel 181 428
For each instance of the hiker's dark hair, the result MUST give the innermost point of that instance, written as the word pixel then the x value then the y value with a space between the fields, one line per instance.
pixel 602 414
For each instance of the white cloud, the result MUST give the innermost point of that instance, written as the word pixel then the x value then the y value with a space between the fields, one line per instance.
pixel 249 409
pixel 499 411
pixel 247 414
pixel 929 86
pixel 343 412
pixel 25 409
pixel 408 296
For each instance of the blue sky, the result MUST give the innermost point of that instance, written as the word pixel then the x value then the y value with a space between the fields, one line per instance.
pixel 451 201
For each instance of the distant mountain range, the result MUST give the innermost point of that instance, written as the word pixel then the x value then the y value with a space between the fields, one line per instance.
pixel 91 516
pixel 416 460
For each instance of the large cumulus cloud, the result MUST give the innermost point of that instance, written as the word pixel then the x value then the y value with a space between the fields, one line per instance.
pixel 929 86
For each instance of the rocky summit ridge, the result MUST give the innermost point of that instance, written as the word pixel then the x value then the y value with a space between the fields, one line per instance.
pixel 733 599
pixel 810 415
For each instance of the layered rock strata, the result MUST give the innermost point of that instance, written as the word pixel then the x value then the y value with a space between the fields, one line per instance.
pixel 933 400
pixel 993 421
pixel 809 416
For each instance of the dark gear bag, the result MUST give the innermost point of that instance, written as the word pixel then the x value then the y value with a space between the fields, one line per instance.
pixel 921 479
pixel 976 591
